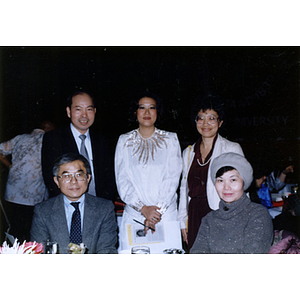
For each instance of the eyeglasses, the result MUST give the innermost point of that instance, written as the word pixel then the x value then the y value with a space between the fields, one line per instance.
pixel 67 177
pixel 211 119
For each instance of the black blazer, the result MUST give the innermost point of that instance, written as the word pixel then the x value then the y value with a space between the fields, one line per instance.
pixel 60 141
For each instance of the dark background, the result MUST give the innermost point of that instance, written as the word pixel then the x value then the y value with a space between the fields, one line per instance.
pixel 260 87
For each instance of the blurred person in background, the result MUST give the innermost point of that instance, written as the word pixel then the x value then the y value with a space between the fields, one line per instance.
pixel 25 185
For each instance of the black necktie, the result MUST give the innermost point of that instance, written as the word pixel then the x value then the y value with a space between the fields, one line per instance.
pixel 75 232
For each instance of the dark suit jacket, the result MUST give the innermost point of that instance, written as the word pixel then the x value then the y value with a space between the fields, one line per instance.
pixel 99 232
pixel 60 141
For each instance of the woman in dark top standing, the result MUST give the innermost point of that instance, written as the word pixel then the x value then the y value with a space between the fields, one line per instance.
pixel 197 192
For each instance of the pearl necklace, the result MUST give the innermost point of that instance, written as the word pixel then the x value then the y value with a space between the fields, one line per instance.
pixel 202 165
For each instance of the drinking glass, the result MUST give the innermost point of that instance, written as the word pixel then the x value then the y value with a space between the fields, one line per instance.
pixel 50 247
pixel 140 250
pixel 173 251
pixel 295 189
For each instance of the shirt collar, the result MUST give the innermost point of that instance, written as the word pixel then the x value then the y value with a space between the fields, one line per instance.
pixel 67 202
pixel 76 133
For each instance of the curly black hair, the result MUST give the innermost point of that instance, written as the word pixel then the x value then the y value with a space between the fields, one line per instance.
pixel 208 101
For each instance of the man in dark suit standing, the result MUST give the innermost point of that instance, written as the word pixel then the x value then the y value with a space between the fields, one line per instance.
pixel 78 138
pixel 75 216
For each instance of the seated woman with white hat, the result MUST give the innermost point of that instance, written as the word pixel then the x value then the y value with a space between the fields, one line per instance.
pixel 239 225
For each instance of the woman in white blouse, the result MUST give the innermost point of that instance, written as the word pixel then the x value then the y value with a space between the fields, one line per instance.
pixel 147 168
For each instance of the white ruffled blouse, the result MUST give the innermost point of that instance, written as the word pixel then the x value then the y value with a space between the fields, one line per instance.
pixel 148 170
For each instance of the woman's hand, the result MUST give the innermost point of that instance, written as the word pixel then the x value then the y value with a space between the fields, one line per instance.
pixel 149 225
pixel 152 216
pixel 151 213
pixel 184 235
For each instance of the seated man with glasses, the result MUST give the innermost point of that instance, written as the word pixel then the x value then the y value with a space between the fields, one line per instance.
pixel 75 216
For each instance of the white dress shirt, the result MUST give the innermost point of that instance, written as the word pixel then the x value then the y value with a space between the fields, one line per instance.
pixel 69 209
pixel 88 146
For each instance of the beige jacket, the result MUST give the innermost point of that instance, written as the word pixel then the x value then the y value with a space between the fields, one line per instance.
pixel 222 145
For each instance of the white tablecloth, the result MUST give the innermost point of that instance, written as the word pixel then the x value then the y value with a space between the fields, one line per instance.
pixel 275 211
